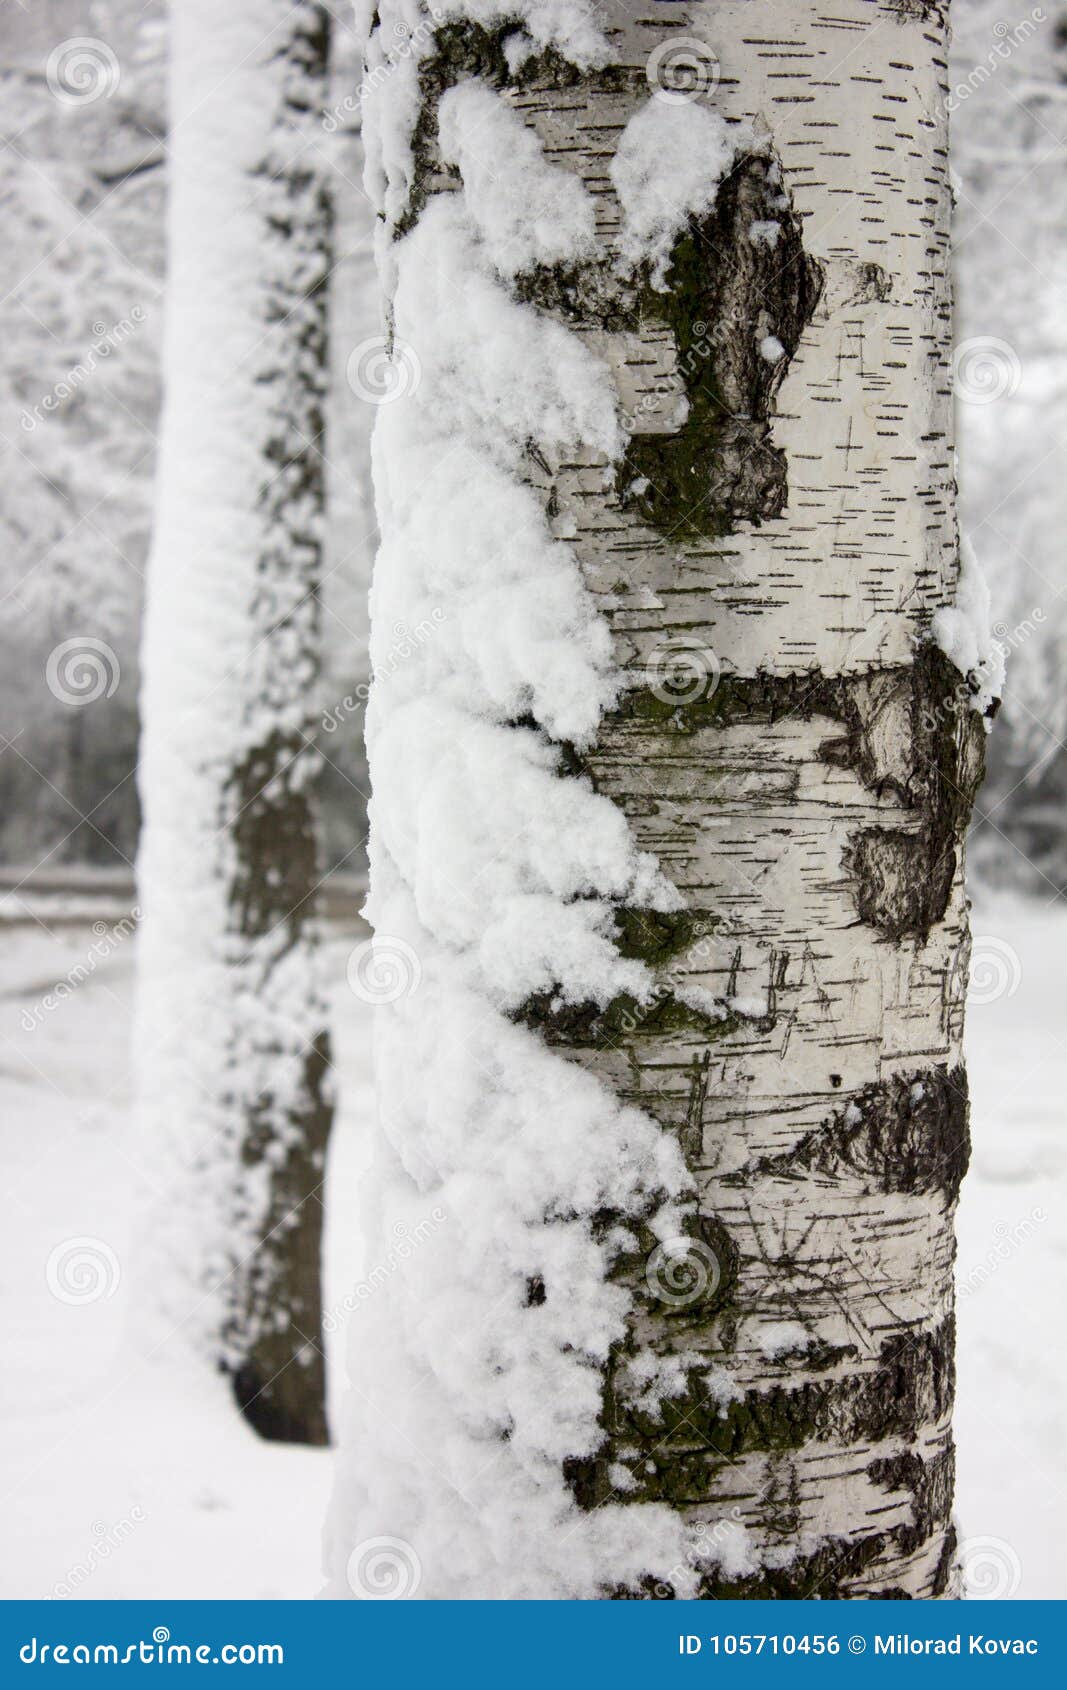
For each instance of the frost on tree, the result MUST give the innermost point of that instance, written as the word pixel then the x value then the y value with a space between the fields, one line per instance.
pixel 669 810
pixel 233 1053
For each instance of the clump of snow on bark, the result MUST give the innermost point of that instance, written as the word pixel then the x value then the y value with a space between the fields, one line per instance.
pixel 527 211
pixel 389 106
pixel 500 373
pixel 501 873
pixel 964 634
pixel 647 1380
pixel 750 1005
pixel 507 859
pixel 570 26
pixel 398 36
pixel 771 348
pixel 667 168
pixel 490 1388
pixel 764 232
pixel 521 636
pixel 729 1544
pixel 782 1337
pixel 518 48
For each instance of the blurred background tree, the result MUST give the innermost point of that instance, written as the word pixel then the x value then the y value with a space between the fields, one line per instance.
pixel 83 187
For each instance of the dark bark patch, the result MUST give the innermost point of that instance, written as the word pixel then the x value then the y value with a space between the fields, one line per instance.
pixel 904 877
pixel 692 1437
pixel 279 1382
pixel 932 11
pixel 274 837
pixel 656 938
pixel 930 1485
pixel 592 1026
pixel 287 1407
pixel 726 294
pixel 908 1134
pixel 838 1569
pixel 691 1279
pixel 908 732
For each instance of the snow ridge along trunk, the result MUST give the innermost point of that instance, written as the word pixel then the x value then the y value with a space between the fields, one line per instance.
pixel 746 231
pixel 234 1058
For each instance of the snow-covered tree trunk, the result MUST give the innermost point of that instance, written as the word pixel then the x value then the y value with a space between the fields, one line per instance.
pixel 667 854
pixel 233 1053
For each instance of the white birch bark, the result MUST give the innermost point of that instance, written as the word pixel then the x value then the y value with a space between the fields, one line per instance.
pixel 233 1053
pixel 769 552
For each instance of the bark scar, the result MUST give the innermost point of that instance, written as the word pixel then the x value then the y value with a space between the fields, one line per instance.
pixel 740 292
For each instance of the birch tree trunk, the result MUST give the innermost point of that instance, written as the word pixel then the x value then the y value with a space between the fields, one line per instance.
pixel 233 1051
pixel 773 547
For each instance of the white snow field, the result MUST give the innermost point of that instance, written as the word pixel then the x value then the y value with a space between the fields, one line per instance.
pixel 122 1476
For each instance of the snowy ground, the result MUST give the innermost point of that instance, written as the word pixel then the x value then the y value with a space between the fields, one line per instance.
pixel 121 1477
